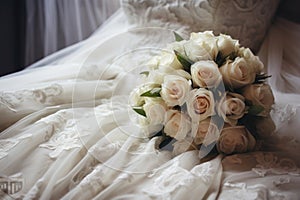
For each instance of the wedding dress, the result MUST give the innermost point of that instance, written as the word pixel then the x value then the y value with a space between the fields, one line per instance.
pixel 68 131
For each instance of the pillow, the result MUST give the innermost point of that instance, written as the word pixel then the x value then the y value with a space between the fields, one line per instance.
pixel 247 21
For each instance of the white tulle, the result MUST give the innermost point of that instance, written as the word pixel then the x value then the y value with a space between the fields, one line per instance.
pixel 68 131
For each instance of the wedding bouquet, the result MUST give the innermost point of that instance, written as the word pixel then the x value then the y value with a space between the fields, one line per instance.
pixel 206 91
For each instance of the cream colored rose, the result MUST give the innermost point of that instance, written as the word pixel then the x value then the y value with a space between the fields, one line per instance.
pixel 178 46
pixel 182 146
pixel 253 61
pixel 155 109
pixel 174 90
pixel 169 59
pixel 265 126
pixel 208 41
pixel 205 132
pixel 206 74
pixel 237 74
pixel 177 124
pixel 201 46
pixel 196 52
pixel 259 95
pixel 135 98
pixel 231 107
pixel 236 139
pixel 153 63
pixel 200 104
pixel 157 76
pixel 200 36
pixel 181 73
pixel 227 45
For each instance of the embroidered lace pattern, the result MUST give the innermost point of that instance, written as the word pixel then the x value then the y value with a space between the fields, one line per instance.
pixel 246 20
pixel 64 135
pixel 43 96
pixel 269 163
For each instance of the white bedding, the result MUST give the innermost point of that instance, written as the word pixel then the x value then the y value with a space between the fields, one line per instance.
pixel 68 131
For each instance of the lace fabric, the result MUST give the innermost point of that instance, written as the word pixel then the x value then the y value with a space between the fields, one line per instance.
pixel 247 21
pixel 259 175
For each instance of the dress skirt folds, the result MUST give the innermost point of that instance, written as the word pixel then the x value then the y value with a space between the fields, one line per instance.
pixel 68 131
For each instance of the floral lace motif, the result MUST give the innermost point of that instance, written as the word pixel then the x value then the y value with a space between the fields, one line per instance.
pixel 102 153
pixel 165 187
pixel 270 163
pixel 242 191
pixel 93 180
pixel 282 114
pixel 64 135
pixel 246 20
pixel 205 171
pixel 44 96
pixel 285 112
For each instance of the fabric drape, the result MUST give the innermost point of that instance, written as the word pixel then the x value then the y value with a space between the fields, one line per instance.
pixel 52 25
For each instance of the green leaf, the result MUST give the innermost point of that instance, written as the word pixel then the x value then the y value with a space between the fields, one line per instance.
pixel 140 111
pixel 255 109
pixel 185 61
pixel 145 73
pixel 178 37
pixel 155 92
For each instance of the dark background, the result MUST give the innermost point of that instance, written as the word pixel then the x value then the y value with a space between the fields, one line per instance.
pixel 12 35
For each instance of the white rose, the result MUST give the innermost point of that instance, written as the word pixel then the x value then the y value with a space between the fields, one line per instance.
pixel 157 76
pixel 178 46
pixel 259 95
pixel 227 45
pixel 254 61
pixel 181 73
pixel 236 139
pixel 200 36
pixel 174 90
pixel 177 124
pixel 195 51
pixel 135 98
pixel 200 104
pixel 208 41
pixel 155 109
pixel 153 62
pixel 237 74
pixel 231 108
pixel 169 59
pixel 182 146
pixel 206 74
pixel 264 126
pixel 205 132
